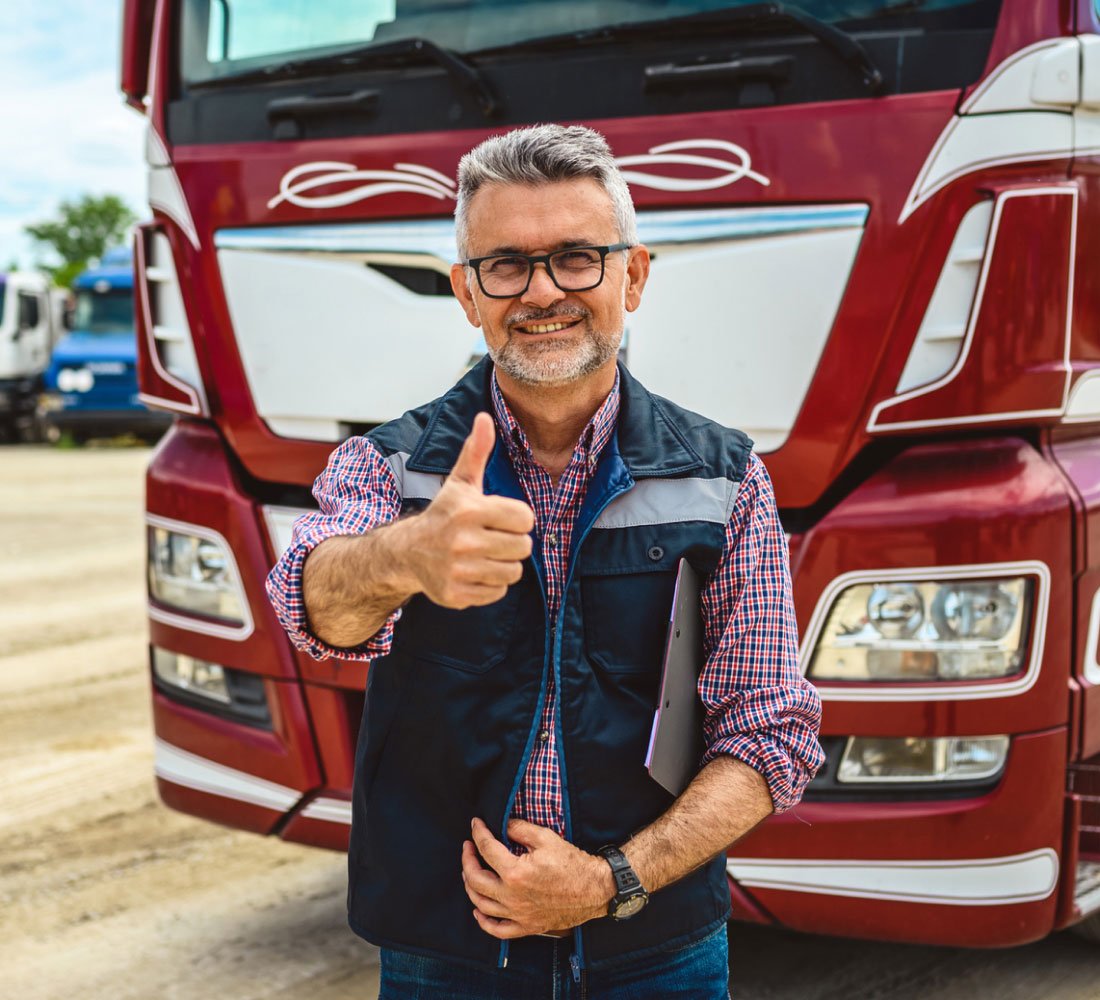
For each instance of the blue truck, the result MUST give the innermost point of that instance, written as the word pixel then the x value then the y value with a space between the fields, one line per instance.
pixel 91 382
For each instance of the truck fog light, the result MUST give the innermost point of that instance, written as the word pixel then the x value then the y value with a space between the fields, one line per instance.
pixel 957 630
pixel 198 677
pixel 195 574
pixel 211 687
pixel 957 758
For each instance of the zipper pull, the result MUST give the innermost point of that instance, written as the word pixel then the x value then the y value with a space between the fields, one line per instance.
pixel 575 965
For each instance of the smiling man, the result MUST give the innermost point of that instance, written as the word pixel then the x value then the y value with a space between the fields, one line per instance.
pixel 505 556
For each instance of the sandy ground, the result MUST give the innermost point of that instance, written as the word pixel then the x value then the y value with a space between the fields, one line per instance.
pixel 104 893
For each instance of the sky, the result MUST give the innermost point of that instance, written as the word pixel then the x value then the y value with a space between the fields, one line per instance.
pixel 64 130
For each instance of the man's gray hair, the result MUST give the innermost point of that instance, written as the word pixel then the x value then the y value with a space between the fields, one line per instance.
pixel 543 154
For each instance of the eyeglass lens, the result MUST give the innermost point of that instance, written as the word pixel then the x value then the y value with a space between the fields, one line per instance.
pixel 572 270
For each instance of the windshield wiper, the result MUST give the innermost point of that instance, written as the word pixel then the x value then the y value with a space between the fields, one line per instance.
pixel 737 19
pixel 401 51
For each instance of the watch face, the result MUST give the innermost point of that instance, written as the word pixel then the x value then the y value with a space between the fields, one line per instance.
pixel 630 906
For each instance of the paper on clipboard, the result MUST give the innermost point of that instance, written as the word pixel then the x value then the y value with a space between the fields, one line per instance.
pixel 676 740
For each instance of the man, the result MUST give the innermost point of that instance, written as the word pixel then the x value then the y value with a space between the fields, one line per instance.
pixel 516 621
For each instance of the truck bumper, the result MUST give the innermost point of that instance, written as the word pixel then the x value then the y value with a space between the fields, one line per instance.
pixel 975 872
pixel 108 423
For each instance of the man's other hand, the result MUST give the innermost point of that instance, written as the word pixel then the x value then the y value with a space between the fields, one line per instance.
pixel 554 886
pixel 469 548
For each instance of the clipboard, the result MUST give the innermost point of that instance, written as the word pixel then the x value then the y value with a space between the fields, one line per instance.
pixel 676 742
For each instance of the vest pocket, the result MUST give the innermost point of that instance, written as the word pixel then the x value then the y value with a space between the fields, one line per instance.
pixel 626 619
pixel 473 640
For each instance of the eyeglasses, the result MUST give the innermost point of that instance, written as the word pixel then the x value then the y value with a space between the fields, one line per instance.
pixel 577 269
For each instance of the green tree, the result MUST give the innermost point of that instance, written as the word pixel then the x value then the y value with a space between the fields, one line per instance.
pixel 82 231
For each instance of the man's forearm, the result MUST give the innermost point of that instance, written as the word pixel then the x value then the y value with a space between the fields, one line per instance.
pixel 352 583
pixel 724 801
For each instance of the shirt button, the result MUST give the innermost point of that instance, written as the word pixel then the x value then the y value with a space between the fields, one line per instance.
pixel 552 540
pixel 544 735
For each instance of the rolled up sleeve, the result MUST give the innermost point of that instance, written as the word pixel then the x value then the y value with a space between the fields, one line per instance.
pixel 759 707
pixel 356 492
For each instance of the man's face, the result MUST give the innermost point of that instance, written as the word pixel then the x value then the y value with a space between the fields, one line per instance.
pixel 545 335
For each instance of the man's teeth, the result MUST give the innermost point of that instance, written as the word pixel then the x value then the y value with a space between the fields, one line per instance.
pixel 546 327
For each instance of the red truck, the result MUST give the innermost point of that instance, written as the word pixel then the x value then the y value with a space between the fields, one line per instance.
pixel 872 222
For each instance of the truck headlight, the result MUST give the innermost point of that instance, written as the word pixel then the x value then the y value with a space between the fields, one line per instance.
pixel 956 758
pixel 925 631
pixel 193 574
pixel 75 380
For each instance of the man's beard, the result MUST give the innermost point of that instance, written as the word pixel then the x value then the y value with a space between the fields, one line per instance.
pixel 554 362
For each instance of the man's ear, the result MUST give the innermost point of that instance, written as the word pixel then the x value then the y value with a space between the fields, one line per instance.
pixel 637 273
pixel 465 297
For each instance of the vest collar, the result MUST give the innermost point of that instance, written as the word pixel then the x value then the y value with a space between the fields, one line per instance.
pixel 649 443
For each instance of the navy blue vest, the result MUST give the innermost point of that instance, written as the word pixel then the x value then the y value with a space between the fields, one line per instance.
pixel 452 713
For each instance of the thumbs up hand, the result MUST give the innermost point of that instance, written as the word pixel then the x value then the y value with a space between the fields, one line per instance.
pixel 468 547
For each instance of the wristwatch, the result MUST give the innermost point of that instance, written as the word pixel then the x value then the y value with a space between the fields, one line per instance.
pixel 630 896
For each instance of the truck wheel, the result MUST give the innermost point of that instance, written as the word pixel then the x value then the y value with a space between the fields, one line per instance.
pixel 32 430
pixel 1089 928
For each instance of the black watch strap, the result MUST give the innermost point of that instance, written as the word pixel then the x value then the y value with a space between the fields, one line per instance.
pixel 628 887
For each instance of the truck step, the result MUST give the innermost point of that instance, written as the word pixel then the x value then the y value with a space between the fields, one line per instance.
pixel 1087 890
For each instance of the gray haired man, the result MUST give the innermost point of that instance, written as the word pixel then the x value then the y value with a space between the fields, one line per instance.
pixel 505 555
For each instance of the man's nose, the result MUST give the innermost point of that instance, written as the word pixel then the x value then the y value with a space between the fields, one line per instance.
pixel 542 291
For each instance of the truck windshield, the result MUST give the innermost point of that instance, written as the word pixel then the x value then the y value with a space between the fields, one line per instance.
pixel 223 38
pixel 104 312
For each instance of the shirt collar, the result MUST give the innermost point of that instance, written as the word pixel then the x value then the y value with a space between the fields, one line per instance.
pixel 596 434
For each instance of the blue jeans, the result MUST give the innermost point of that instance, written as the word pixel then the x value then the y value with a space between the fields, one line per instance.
pixel 539 969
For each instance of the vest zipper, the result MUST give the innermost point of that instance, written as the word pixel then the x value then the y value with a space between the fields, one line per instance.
pixel 502 960
pixel 554 649
pixel 577 958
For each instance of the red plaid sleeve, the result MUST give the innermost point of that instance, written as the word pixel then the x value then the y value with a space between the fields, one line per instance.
pixel 759 707
pixel 356 492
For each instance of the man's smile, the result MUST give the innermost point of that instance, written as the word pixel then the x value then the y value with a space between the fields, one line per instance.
pixel 547 327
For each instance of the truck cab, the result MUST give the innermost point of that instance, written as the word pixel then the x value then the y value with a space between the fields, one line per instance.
pixel 872 225
pixel 91 379
pixel 29 326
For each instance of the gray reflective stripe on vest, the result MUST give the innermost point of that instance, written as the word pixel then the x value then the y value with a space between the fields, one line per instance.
pixel 413 485
pixel 668 501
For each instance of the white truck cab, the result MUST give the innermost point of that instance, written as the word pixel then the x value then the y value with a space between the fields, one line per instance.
pixel 30 323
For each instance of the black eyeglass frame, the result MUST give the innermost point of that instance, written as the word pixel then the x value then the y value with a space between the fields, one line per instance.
pixel 533 259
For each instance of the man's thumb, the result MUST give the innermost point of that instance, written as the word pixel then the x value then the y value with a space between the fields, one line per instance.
pixel 470 467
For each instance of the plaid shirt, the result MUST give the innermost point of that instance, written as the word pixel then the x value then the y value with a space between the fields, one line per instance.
pixel 759 708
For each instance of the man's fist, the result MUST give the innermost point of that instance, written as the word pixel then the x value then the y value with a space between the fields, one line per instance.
pixel 470 547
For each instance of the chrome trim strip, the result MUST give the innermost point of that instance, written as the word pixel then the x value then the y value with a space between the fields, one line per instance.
pixel 1017 878
pixel 329 810
pixel 436 236
pixel 192 771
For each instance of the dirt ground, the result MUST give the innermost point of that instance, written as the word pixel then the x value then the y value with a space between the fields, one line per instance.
pixel 104 893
